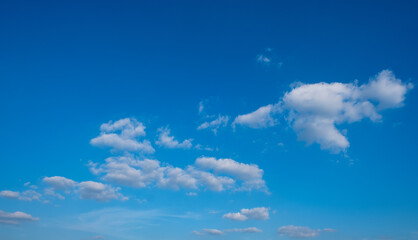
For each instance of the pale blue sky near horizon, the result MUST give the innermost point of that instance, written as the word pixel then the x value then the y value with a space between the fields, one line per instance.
pixel 208 120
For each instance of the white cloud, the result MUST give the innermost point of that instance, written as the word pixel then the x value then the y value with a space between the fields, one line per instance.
pixel 129 171
pixel 260 213
pixel 315 110
pixel 200 147
pixel 260 118
pixel 123 135
pixel 15 218
pixel 165 140
pixel 235 216
pixel 250 174
pixel 30 195
pixel 201 107
pixel 214 125
pixel 261 58
pixel 59 183
pixel 50 192
pixel 217 232
pixel 211 181
pixel 27 195
pixel 208 232
pixel 98 191
pixel 86 190
pixel 269 58
pixel 9 194
pixel 301 232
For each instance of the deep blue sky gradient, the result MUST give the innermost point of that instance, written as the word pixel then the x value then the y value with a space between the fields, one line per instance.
pixel 68 66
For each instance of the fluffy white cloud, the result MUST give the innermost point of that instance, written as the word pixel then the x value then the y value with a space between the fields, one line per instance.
pixel 9 194
pixel 15 218
pixel 315 110
pixel 260 118
pixel 129 171
pixel 59 183
pixel 260 213
pixel 165 140
pixel 123 135
pixel 301 232
pixel 214 125
pixel 98 191
pixel 250 174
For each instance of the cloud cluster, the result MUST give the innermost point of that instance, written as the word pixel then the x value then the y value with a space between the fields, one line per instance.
pixel 301 232
pixel 27 195
pixel 314 110
pixel 260 213
pixel 207 173
pixel 165 140
pixel 86 190
pixel 123 135
pixel 15 218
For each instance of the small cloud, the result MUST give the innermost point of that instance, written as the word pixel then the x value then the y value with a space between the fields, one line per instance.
pixel 260 118
pixel 208 232
pixel 15 218
pixel 201 107
pixel 200 147
pixel 269 58
pixel 260 213
pixel 217 232
pixel 27 195
pixel 165 140
pixel 9 194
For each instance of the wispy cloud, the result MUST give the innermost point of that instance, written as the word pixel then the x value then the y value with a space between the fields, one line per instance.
pixel 214 125
pixel 292 231
pixel 217 232
pixel 165 140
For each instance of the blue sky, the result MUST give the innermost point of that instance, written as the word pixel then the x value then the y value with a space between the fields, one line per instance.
pixel 208 120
